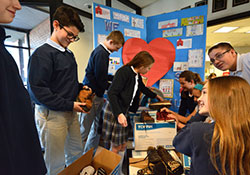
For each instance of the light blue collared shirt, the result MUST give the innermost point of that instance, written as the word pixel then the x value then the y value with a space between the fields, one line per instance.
pixel 242 67
pixel 56 45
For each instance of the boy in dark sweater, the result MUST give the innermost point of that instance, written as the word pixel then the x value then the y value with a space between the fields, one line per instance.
pixel 97 77
pixel 53 86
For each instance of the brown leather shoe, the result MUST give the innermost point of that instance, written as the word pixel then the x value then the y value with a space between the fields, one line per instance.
pixel 145 117
pixel 153 156
pixel 174 167
pixel 86 96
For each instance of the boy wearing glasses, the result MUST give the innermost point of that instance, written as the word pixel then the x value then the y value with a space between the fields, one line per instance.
pixel 53 86
pixel 224 57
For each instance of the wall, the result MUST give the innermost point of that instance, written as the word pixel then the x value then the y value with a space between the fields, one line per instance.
pixel 163 6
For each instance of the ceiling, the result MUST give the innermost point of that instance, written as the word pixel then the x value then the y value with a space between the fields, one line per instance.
pixel 28 18
pixel 237 37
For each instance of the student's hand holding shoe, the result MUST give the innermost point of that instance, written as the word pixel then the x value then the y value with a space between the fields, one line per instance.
pixel 78 107
pixel 122 120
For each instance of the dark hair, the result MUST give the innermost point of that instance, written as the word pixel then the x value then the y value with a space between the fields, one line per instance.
pixel 142 58
pixel 188 75
pixel 67 16
pixel 224 45
pixel 116 36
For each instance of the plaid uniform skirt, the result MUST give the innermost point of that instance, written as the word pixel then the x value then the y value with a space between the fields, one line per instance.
pixel 112 131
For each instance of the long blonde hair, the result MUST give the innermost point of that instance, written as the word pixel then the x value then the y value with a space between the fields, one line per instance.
pixel 229 106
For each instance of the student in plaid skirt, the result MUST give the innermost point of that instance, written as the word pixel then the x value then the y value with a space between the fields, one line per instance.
pixel 123 96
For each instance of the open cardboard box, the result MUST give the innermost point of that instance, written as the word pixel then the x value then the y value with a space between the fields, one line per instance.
pixel 104 158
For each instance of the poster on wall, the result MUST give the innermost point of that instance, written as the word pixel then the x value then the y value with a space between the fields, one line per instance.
pixel 168 24
pixel 195 58
pixel 172 32
pixel 180 66
pixel 166 86
pixel 194 30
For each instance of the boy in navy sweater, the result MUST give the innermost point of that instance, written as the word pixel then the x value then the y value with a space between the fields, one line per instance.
pixel 97 78
pixel 53 86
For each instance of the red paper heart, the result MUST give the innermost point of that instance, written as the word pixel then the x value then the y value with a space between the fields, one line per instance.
pixel 161 49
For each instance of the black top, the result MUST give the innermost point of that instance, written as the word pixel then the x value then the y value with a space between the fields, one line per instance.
pixel 187 103
pixel 121 91
pixel 53 79
pixel 20 151
pixel 194 140
pixel 96 75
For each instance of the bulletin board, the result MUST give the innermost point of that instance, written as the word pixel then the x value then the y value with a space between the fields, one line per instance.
pixel 179 35
pixel 186 30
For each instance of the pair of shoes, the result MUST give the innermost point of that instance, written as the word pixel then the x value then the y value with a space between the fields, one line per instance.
pixel 86 96
pixel 174 167
pixel 145 117
pixel 159 167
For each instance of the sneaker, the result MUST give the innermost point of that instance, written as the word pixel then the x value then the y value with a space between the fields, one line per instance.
pixel 145 117
pixel 174 167
pixel 153 156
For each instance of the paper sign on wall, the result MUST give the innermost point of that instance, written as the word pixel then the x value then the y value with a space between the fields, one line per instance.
pixel 111 69
pixel 132 33
pixel 172 32
pixel 121 17
pixel 101 12
pixel 137 22
pixel 192 20
pixel 195 58
pixel 184 43
pixel 194 30
pixel 166 86
pixel 114 60
pixel 180 66
pixel 168 24
pixel 101 38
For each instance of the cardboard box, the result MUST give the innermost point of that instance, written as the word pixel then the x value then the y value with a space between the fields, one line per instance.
pixel 104 158
pixel 154 134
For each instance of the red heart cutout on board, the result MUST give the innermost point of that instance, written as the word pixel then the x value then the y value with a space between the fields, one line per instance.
pixel 161 49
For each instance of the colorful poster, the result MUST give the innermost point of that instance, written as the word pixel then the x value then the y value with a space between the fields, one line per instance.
pixel 180 66
pixel 121 17
pixel 192 20
pixel 172 32
pixel 137 22
pixel 168 24
pixel 194 30
pixel 101 12
pixel 166 86
pixel 114 60
pixel 132 33
pixel 195 58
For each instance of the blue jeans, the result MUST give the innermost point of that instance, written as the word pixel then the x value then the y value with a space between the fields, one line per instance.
pixel 88 127
pixel 59 133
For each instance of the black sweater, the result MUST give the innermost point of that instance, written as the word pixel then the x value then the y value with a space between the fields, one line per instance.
pixel 53 79
pixel 121 91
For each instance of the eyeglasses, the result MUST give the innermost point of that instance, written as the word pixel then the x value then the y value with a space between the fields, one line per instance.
pixel 219 56
pixel 70 35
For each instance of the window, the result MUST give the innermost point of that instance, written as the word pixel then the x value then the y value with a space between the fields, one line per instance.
pixel 17 45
